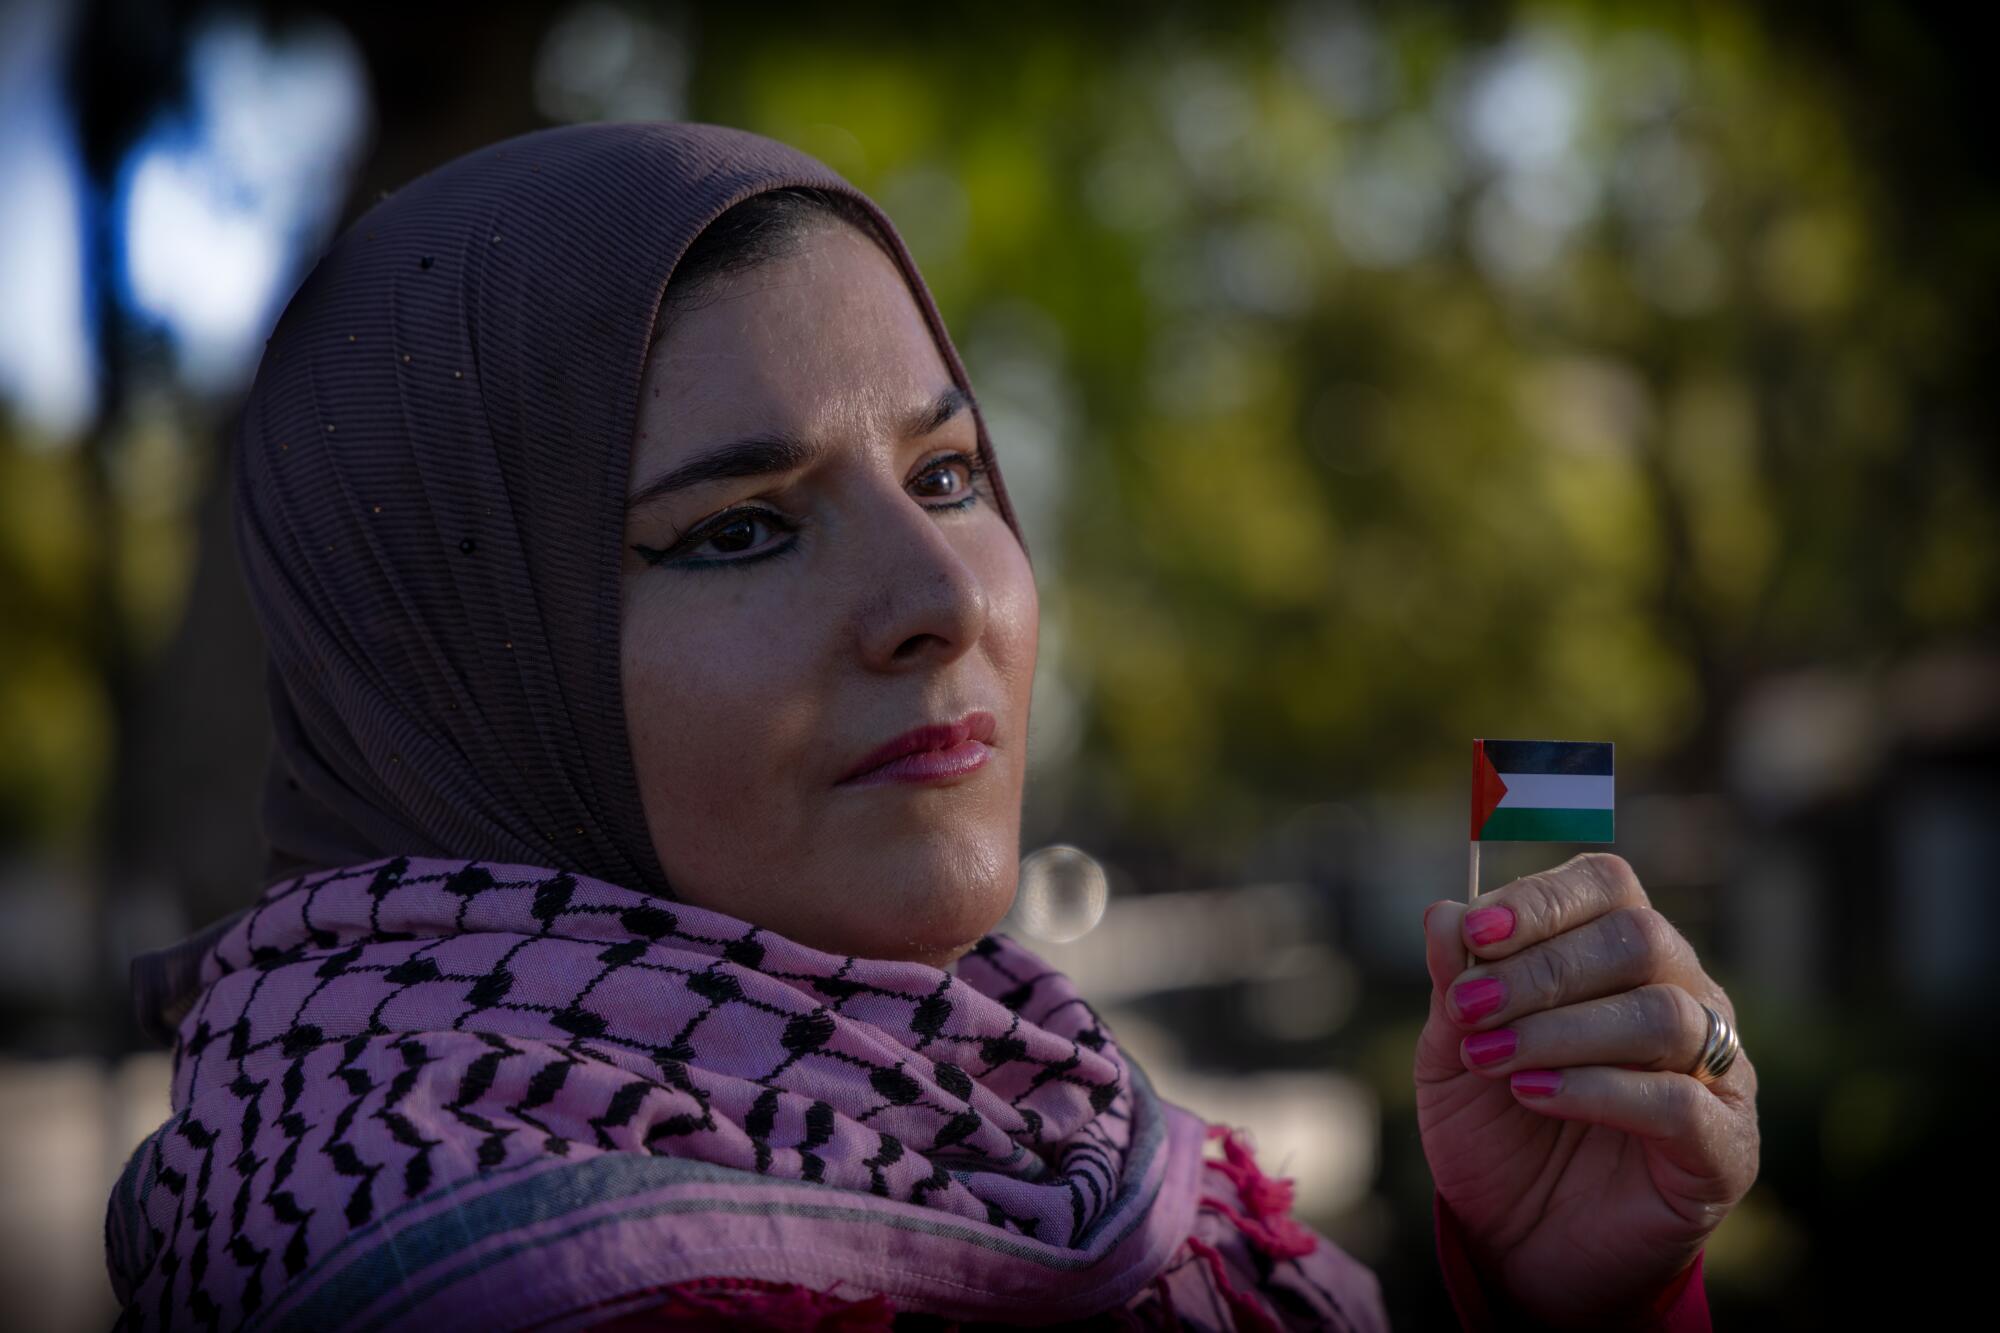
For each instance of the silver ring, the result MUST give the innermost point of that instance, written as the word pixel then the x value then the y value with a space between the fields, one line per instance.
pixel 1718 1051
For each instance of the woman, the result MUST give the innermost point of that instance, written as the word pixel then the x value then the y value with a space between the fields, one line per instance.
pixel 651 641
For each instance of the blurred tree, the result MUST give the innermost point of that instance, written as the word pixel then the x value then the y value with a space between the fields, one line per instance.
pixel 1430 374
pixel 1371 376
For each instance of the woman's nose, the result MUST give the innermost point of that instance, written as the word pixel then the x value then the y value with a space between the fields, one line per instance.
pixel 923 596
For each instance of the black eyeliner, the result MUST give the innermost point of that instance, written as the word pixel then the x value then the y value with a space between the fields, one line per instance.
pixel 980 482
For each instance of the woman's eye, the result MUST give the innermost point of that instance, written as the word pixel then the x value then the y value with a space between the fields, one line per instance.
pixel 734 535
pixel 727 540
pixel 972 467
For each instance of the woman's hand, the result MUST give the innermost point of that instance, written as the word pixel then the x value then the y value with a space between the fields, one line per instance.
pixel 1582 1203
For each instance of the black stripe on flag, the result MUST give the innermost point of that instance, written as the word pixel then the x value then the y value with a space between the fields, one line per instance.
pixel 1582 758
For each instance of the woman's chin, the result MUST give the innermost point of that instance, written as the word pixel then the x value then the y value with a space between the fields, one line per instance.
pixel 925 893
pixel 930 924
pixel 934 939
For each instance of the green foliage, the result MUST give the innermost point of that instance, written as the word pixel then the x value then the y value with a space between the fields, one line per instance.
pixel 1430 379
pixel 1394 376
pixel 55 740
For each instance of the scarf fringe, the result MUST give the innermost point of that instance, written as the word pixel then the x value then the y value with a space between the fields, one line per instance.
pixel 1243 1307
pixel 1270 1227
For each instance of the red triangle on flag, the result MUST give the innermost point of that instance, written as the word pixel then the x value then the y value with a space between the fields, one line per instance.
pixel 1487 788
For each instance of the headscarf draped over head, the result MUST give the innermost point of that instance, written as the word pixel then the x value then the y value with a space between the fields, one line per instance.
pixel 431 474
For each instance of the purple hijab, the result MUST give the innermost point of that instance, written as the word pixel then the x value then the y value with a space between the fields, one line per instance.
pixel 430 488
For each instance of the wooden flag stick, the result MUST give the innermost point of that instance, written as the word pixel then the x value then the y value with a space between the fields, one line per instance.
pixel 1472 890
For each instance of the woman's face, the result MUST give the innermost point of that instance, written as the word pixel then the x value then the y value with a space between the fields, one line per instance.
pixel 779 627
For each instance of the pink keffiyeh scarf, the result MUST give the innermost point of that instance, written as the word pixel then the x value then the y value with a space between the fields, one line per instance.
pixel 456 1094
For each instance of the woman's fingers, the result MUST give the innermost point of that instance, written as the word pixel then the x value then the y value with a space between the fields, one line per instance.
pixel 1542 906
pixel 1444 947
pixel 1522 914
pixel 1656 1027
pixel 1626 949
pixel 1580 932
pixel 1693 1129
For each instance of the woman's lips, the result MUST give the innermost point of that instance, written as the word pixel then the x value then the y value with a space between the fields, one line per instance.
pixel 931 753
pixel 927 765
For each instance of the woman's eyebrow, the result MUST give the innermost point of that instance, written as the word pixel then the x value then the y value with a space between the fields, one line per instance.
pixel 947 405
pixel 762 455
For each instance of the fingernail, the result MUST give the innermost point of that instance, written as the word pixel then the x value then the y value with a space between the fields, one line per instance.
pixel 1486 925
pixel 1536 1082
pixel 1473 1000
pixel 1490 1048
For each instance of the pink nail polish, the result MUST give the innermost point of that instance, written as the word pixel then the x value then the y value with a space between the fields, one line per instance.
pixel 1536 1082
pixel 1473 1000
pixel 1487 925
pixel 1490 1048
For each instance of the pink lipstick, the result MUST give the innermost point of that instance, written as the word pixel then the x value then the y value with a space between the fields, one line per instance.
pixel 937 752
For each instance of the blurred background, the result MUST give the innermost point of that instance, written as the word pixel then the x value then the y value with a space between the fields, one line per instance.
pixel 1368 378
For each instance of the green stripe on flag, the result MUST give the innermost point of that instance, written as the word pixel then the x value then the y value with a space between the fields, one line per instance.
pixel 1526 824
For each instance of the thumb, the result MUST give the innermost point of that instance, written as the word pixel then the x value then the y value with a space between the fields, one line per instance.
pixel 1444 942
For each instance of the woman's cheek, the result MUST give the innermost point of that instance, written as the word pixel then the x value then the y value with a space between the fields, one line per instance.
pixel 655 684
pixel 720 704
pixel 1014 632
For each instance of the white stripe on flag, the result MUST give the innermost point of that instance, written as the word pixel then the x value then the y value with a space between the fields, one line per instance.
pixel 1556 791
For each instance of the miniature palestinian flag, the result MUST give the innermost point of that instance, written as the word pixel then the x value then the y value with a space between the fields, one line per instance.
pixel 1541 791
